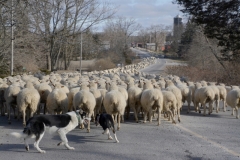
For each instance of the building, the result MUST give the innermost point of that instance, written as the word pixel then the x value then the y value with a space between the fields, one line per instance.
pixel 177 28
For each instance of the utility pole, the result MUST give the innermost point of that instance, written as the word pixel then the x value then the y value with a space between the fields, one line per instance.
pixel 12 38
pixel 80 70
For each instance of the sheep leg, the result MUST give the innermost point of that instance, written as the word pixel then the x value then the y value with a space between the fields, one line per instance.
pixel 2 109
pixel 122 119
pixel 210 108
pixel 171 115
pixel 128 112
pixel 135 114
pixel 189 107
pixel 115 118
pixel 159 115
pixel 237 116
pixel 224 106
pixel 44 108
pixel 119 118
pixel 9 113
pixel 232 111
pixel 150 115
pixel 217 105
pixel 145 117
pixel 24 116
pixel 179 115
pixel 204 109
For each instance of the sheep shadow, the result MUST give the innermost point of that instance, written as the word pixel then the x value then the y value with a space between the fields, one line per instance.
pixel 193 113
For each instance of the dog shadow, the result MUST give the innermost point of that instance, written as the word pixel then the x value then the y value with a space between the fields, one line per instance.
pixel 12 147
pixel 83 138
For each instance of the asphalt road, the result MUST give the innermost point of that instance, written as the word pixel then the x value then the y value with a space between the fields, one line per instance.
pixel 197 137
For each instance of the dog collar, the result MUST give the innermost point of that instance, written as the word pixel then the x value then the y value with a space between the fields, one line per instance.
pixel 78 117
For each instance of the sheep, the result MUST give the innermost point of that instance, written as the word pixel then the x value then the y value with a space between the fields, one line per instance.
pixel 43 89
pixel 71 94
pixel 28 99
pixel 169 104
pixel 3 87
pixel 151 100
pixel 217 94
pixel 57 102
pixel 134 97
pixel 98 97
pixel 233 100
pixel 186 93
pixel 85 100
pixel 115 104
pixel 204 95
pixel 10 96
pixel 177 92
pixel 123 91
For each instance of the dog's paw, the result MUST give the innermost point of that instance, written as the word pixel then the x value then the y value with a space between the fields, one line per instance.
pixel 71 148
pixel 60 143
pixel 27 148
pixel 42 151
pixel 110 138
pixel 117 141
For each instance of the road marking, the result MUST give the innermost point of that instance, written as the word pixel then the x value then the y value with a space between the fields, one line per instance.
pixel 208 140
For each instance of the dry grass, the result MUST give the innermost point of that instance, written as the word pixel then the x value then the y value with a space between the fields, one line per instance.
pixel 229 77
pixel 102 64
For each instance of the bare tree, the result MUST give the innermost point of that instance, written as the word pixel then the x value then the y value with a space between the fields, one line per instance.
pixel 158 35
pixel 118 32
pixel 60 21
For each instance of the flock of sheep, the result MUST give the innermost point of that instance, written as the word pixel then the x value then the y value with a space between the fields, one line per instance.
pixel 115 91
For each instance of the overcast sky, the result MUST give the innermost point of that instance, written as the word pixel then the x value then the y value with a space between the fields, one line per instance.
pixel 148 12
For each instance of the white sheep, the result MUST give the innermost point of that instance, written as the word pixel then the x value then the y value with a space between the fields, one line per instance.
pixel 217 95
pixel 204 95
pixel 169 104
pixel 151 100
pixel 57 102
pixel 28 100
pixel 177 92
pixel 10 96
pixel 86 101
pixel 115 104
pixel 93 86
pixel 233 100
pixel 134 97
pixel 71 94
pixel 3 87
pixel 43 89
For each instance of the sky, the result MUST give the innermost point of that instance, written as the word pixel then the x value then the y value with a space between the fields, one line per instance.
pixel 148 12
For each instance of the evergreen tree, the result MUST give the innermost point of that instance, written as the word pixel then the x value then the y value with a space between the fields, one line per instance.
pixel 220 20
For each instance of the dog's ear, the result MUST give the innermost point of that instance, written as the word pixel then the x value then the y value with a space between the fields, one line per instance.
pixel 80 111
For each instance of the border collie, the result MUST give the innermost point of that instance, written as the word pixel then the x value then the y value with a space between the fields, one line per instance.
pixel 106 121
pixel 61 124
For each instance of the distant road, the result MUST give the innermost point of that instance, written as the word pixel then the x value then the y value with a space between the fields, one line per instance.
pixel 157 68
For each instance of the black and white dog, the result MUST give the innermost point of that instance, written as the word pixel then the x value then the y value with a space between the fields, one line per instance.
pixel 106 121
pixel 61 124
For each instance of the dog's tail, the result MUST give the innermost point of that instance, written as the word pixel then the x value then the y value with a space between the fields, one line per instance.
pixel 17 134
pixel 24 133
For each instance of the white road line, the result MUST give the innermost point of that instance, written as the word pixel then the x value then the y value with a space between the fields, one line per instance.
pixel 208 140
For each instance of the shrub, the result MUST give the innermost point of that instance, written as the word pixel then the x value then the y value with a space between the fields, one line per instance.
pixel 102 64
